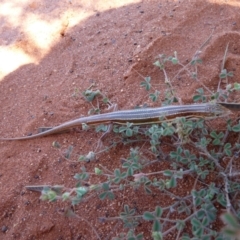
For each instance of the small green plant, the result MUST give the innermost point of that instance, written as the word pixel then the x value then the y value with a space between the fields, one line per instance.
pixel 206 155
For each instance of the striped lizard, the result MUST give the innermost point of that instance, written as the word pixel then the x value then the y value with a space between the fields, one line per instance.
pixel 141 116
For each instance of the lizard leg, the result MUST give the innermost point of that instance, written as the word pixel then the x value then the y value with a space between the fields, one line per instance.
pixel 111 108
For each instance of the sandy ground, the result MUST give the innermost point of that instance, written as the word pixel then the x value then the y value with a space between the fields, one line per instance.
pixel 50 50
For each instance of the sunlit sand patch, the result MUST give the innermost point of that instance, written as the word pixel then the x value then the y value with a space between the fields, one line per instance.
pixel 35 34
pixel 12 58
pixel 235 3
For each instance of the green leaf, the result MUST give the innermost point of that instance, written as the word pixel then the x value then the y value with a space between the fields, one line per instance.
pixel 204 142
pixel 179 150
pixel 196 223
pixel 81 176
pixel 101 128
pixel 198 232
pixel 230 74
pixel 126 208
pixel 81 191
pixel 56 144
pixel 168 173
pixel 156 226
pixel 105 186
pixel 130 171
pixel 159 64
pixel 154 96
pixel 205 221
pixel 66 196
pixel 236 128
pixel 217 137
pixel 97 171
pixel 147 190
pixel 227 149
pixel 129 132
pixel 68 152
pixel 200 91
pixel 89 157
pixel 103 195
pixel 90 94
pixel 194 75
pixel 195 61
pixel 202 192
pixel 221 199
pixel 216 142
pixel 172 182
pixel 185 238
pixel 213 134
pixel 201 214
pixel 197 98
pixel 117 172
pixel 174 61
pixel 180 225
pixel 148 216
pixel 158 211
pixel 223 73
pixel 236 86
pixel 52 196
pixel 131 238
pixel 76 200
pixel 139 236
pixel 230 220
pixel 146 84
pixel 232 233
pixel 157 236
pixel 110 195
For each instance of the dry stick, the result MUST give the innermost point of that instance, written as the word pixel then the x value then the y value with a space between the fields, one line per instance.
pixel 223 65
pixel 229 166
pixel 140 216
pixel 205 87
pixel 226 184
pixel 194 187
pixel 197 53
pixel 89 224
pixel 195 57
pixel 168 82
pixel 174 227
pixel 162 172
pixel 178 235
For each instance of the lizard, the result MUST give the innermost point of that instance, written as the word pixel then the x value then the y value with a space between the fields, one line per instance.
pixel 141 116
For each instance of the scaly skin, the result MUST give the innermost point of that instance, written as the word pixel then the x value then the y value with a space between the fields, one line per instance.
pixel 141 116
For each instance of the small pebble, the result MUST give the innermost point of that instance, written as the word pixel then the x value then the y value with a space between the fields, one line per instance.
pixel 4 229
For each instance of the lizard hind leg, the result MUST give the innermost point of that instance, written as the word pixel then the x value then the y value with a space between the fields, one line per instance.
pixel 111 108
pixel 43 129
